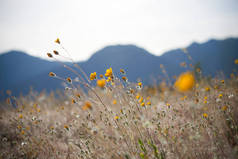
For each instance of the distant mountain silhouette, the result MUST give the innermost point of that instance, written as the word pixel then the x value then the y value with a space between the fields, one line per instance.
pixel 19 71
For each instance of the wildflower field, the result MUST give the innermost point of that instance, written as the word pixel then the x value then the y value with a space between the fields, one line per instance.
pixel 107 117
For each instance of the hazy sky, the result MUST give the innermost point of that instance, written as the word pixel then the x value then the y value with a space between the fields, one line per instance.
pixel 84 26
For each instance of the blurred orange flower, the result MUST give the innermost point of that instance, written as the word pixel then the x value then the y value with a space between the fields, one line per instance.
pixel 101 83
pixel 185 82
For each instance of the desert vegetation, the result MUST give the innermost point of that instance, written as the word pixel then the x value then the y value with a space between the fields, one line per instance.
pixel 103 116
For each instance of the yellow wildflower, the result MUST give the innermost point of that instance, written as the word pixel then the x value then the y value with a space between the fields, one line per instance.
pixel 141 100
pixel 116 117
pixel 168 105
pixel 114 101
pixel 93 76
pixel 224 108
pixel 205 115
pixel 142 104
pixel 20 116
pixel 139 84
pixel 66 127
pixel 108 72
pixel 148 103
pixel 73 101
pixel 220 95
pixel 109 79
pixel 124 78
pixel 101 76
pixel 207 89
pixel 185 82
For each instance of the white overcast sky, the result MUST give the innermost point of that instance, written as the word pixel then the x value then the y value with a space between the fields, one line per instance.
pixel 84 26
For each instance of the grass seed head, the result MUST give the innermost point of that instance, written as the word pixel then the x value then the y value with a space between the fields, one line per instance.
pixel 55 52
pixel 52 74
pixel 68 79
pixel 57 41
pixel 87 105
pixel 49 55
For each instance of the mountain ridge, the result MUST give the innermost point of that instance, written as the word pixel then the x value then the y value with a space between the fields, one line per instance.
pixel 19 71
